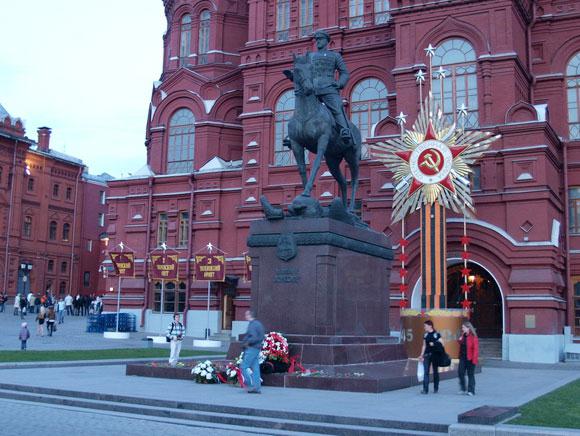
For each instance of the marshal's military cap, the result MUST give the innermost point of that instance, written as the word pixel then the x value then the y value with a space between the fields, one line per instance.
pixel 322 34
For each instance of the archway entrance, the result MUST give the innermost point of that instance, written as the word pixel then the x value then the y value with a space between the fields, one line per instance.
pixel 485 296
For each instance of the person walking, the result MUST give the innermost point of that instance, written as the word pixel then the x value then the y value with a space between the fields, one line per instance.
pixel 23 306
pixel 68 301
pixel 175 333
pixel 30 301
pixel 3 300
pixel 252 345
pixel 60 310
pixel 24 335
pixel 40 318
pixel 468 358
pixel 16 304
pixel 51 318
pixel 430 355
pixel 37 303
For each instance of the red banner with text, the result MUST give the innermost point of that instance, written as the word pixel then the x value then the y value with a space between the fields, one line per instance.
pixel 210 267
pixel 124 263
pixel 165 266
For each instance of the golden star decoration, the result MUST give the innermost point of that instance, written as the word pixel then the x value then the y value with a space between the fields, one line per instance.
pixel 431 163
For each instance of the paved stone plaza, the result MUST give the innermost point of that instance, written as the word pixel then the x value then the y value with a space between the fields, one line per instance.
pixel 495 386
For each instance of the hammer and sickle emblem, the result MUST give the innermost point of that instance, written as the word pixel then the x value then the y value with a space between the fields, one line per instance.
pixel 430 163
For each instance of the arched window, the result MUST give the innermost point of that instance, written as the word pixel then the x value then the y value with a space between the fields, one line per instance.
pixel 457 58
pixel 185 40
pixel 284 110
pixel 282 20
pixel 62 288
pixel 27 227
pixel 52 231
pixel 63 267
pixel 369 105
pixel 306 17
pixel 203 36
pixel 181 142
pixel 573 85
pixel 65 231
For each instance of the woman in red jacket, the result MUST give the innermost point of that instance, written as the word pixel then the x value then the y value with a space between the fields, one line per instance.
pixel 468 358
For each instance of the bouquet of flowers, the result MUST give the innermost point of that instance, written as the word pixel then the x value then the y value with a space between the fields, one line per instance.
pixel 233 369
pixel 274 348
pixel 205 372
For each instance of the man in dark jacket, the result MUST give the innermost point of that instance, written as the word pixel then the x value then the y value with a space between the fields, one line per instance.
pixel 252 344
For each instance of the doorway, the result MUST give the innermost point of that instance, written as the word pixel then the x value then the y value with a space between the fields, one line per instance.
pixel 485 297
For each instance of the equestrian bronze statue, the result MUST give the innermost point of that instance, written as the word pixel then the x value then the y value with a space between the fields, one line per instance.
pixel 320 124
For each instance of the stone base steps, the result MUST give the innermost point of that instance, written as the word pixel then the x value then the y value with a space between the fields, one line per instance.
pixel 196 414
pixel 490 348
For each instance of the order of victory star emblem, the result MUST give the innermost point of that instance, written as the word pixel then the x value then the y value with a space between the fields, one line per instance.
pixel 431 162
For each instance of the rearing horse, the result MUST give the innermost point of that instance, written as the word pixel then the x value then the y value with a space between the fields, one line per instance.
pixel 313 128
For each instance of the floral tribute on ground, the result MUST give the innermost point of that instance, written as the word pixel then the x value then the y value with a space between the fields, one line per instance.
pixel 274 356
pixel 205 372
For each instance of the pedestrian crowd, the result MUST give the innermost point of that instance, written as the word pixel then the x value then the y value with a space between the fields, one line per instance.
pixel 50 310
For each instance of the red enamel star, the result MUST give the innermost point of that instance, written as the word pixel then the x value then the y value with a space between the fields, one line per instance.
pixel 465 272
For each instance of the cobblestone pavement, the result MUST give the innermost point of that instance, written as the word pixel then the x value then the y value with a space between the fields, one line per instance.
pixel 495 387
pixel 72 421
pixel 70 335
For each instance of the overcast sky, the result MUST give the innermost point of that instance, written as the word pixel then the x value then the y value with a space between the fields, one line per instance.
pixel 85 69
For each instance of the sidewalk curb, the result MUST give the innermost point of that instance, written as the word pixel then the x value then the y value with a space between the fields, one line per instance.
pixel 75 363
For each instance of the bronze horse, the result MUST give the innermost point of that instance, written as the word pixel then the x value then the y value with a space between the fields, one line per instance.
pixel 313 128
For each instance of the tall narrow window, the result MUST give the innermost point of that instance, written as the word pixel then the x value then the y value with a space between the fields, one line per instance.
pixel 63 267
pixel 181 142
pixel 162 229
pixel 382 14
pixel 282 20
pixel 356 13
pixel 27 227
pixel 185 40
pixel 183 229
pixel 55 190
pixel 204 29
pixel 306 17
pixel 65 231
pixel 52 231
pixel 50 265
pixel 68 193
pixel 87 279
pixel 573 92
pixel 369 106
pixel 284 110
pixel 62 288
pixel 574 208
pixel 102 219
pixel 457 58
pixel 30 186
pixel 102 197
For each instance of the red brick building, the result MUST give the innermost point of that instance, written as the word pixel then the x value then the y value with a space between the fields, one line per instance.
pixel 218 115
pixel 52 214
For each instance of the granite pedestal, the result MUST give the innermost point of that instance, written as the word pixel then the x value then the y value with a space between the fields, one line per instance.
pixel 324 284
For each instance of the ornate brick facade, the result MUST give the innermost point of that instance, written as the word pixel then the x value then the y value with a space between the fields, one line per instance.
pixel 50 211
pixel 220 109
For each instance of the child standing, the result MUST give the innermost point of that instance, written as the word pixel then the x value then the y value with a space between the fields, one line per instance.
pixel 24 335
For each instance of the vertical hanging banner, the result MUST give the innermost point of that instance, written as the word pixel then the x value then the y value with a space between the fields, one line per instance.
pixel 165 266
pixel 247 268
pixel 124 263
pixel 211 267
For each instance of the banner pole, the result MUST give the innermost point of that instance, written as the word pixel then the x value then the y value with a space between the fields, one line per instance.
pixel 118 303
pixel 161 308
pixel 208 297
